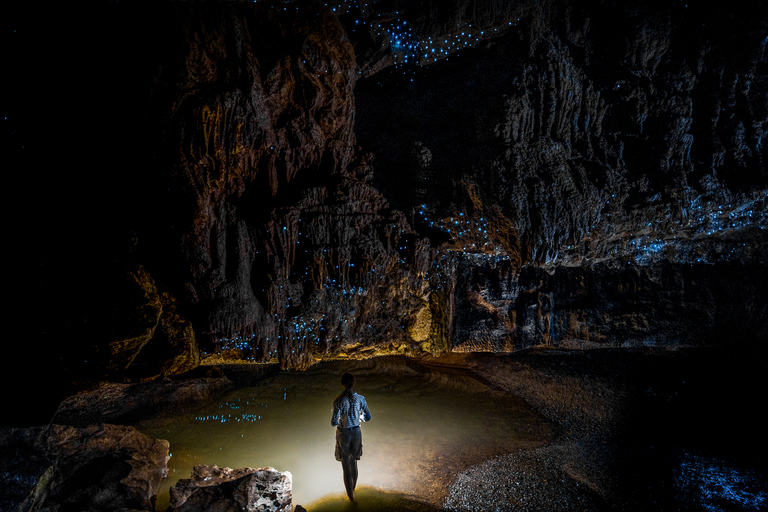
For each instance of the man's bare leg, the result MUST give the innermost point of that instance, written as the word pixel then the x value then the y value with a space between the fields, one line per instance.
pixel 350 475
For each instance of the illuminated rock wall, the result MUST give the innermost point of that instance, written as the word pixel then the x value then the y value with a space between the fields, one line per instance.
pixel 290 253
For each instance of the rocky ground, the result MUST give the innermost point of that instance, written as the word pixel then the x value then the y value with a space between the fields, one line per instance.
pixel 635 430
pixel 638 430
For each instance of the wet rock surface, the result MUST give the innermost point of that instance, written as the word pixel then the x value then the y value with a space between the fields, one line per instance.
pixel 225 489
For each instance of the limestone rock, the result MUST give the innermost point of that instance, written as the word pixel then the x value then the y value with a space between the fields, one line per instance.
pixel 128 403
pixel 235 490
pixel 609 304
pixel 100 467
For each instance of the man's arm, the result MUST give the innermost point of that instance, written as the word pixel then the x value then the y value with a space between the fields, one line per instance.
pixel 366 412
pixel 336 414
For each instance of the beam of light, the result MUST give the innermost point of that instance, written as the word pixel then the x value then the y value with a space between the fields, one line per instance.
pixel 420 426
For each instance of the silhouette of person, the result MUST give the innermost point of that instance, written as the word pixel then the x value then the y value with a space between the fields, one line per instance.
pixel 349 409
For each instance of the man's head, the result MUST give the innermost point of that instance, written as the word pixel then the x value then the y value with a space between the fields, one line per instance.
pixel 347 380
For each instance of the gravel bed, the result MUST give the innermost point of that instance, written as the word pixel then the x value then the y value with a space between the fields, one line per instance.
pixel 531 480
pixel 653 429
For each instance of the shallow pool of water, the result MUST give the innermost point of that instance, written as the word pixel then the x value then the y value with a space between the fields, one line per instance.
pixel 425 427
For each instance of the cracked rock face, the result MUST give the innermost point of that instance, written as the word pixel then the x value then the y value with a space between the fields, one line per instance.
pixel 225 489
pixel 410 177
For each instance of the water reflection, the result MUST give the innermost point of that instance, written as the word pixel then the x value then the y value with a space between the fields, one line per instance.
pixel 425 428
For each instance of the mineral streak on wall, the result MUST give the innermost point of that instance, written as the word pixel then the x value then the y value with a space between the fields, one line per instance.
pixel 300 180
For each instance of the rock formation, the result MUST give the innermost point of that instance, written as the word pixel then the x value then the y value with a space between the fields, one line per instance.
pixel 23 459
pixel 305 181
pixel 225 489
pixel 547 159
pixel 121 403
pixel 99 467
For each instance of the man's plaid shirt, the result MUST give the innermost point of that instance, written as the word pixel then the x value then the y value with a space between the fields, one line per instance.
pixel 346 410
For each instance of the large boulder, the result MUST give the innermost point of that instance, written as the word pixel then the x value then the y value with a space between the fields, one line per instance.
pixel 100 468
pixel 235 490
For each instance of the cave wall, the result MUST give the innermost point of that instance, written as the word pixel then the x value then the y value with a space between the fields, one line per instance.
pixel 307 181
pixel 609 304
pixel 562 138
pixel 290 253
pixel 610 142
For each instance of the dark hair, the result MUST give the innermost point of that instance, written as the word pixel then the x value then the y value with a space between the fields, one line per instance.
pixel 348 381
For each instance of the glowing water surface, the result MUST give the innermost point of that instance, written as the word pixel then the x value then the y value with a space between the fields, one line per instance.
pixel 425 427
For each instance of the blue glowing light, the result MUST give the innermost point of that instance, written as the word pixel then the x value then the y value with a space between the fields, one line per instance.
pixel 713 485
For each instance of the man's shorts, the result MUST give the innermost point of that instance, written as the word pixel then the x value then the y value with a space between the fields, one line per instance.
pixel 349 441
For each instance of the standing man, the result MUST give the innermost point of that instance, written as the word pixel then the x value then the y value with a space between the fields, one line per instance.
pixel 349 409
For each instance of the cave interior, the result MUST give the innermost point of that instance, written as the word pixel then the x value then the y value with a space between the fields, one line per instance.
pixel 197 184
